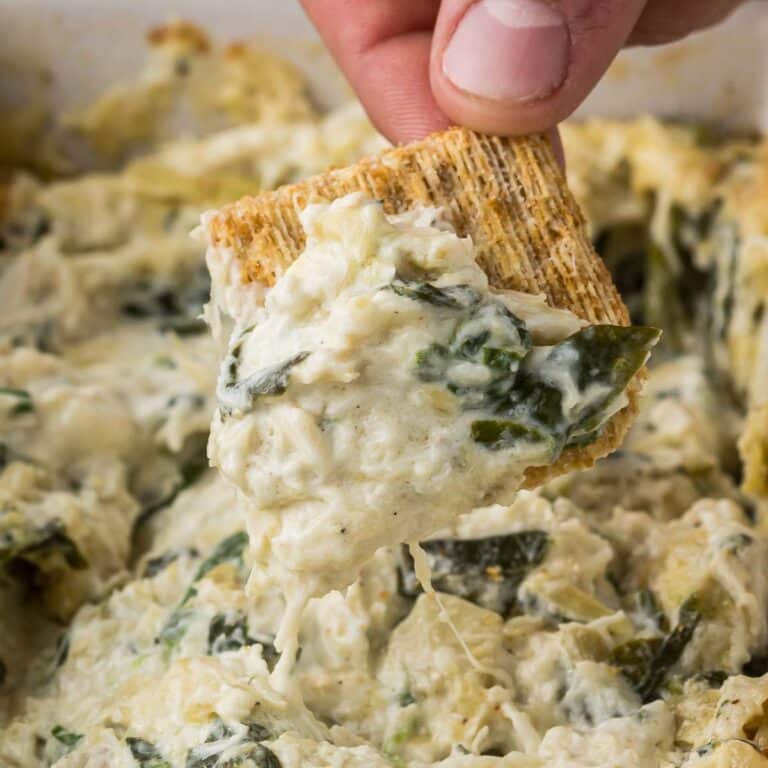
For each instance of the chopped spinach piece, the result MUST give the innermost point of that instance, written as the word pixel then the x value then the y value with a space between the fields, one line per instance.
pixel 406 698
pixel 39 546
pixel 498 434
pixel 183 326
pixel 228 632
pixel 452 297
pixel 23 399
pixel 234 395
pixel 645 662
pixel 62 650
pixel 65 737
pixel 485 571
pixel 229 549
pixel 272 380
pixel 158 564
pixel 146 754
pixel 257 756
pixel 175 307
pixel 174 629
pixel 714 678
pixel 491 365
pixel 598 360
pixel 489 340
pixel 249 752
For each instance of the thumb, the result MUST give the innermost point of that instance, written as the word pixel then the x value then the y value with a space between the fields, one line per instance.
pixel 516 66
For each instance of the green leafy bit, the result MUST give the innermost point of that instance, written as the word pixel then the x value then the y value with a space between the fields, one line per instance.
pixel 248 752
pixel 23 400
pixel 646 662
pixel 498 434
pixel 485 571
pixel 234 395
pixel 146 754
pixel 66 737
pixel 62 650
pixel 174 307
pixel 228 632
pixel 452 297
pixel 174 629
pixel 227 550
pixel 597 361
pixel 47 546
pixel 480 363
pixel 156 565
pixel 490 364
pixel 714 678
pixel 406 698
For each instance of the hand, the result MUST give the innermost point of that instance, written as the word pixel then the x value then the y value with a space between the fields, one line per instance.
pixel 498 66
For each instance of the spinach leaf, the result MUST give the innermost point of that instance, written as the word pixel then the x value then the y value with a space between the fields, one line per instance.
pixel 249 752
pixel 487 571
pixel 714 678
pixel 598 361
pixel 257 756
pixel 158 564
pixel 228 632
pixel 23 399
pixel 38 546
pixel 646 662
pixel 493 341
pixel 62 650
pixel 234 395
pixel 452 297
pixel 146 754
pixel 498 434
pixel 175 307
pixel 65 737
pixel 175 628
pixel 229 549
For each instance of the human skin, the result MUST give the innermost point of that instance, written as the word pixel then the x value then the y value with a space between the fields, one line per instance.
pixel 497 66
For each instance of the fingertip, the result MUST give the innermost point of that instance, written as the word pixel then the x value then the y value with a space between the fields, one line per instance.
pixel 396 92
pixel 520 66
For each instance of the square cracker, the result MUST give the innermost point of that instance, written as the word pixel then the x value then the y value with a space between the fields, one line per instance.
pixel 507 194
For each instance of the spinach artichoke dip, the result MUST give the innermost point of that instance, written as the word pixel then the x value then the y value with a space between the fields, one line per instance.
pixel 617 616
pixel 383 388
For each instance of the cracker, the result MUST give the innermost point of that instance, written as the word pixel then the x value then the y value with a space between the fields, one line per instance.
pixel 508 194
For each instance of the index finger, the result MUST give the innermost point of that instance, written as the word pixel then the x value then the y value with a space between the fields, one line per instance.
pixel 383 48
